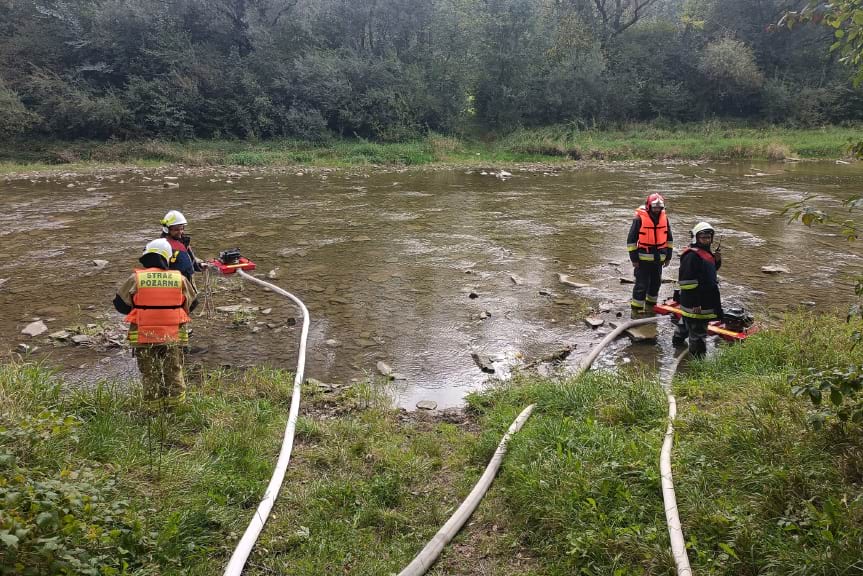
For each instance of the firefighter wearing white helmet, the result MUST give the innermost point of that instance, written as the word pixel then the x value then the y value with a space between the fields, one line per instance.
pixel 699 289
pixel 182 258
pixel 173 218
pixel 157 302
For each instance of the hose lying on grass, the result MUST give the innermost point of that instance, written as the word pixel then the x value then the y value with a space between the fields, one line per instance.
pixel 424 560
pixel 250 536
pixel 672 518
pixel 432 550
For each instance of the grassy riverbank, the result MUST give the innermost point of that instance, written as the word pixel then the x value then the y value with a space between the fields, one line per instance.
pixel 559 145
pixel 88 475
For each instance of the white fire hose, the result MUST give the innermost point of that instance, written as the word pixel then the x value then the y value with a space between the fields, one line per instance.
pixel 247 542
pixel 424 560
pixel 669 498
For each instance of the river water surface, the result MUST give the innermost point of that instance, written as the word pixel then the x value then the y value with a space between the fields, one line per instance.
pixel 387 261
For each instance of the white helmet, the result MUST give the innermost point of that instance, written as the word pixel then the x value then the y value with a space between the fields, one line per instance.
pixel 159 246
pixel 172 218
pixel 701 227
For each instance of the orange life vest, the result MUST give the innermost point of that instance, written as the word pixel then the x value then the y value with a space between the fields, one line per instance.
pixel 158 314
pixel 652 235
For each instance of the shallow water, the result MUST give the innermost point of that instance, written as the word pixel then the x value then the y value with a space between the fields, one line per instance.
pixel 386 261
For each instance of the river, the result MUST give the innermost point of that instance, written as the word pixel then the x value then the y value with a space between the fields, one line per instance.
pixel 387 260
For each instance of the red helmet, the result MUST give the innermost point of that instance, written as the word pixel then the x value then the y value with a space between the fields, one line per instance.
pixel 655 200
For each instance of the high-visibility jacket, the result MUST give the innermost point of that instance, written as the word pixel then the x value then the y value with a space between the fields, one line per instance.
pixel 649 241
pixel 158 311
pixel 699 287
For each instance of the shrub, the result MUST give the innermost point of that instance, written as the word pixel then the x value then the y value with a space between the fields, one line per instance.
pixel 14 116
pixel 57 519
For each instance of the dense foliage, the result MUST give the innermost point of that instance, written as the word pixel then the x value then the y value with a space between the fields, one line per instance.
pixel 391 69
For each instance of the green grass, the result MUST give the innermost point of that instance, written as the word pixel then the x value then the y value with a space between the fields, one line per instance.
pixel 759 490
pixel 557 145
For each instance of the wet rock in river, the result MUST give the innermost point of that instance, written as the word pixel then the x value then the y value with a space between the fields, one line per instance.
pixel 517 280
pixel 25 348
pixel 484 314
pixel 81 339
pixel 427 405
pixel 59 335
pixel 774 269
pixel 34 329
pixel 238 308
pixel 99 264
pixel 594 321
pixel 545 292
pixel 473 295
pixel 332 343
pixel 384 369
pixel 485 363
pixel 643 333
pixel 624 280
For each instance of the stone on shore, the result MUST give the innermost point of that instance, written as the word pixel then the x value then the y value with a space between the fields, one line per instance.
pixel 34 329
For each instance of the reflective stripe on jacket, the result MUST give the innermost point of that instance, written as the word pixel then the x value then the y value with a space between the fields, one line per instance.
pixel 158 312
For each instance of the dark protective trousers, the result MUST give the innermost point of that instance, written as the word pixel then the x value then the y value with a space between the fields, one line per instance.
pixel 696 331
pixel 648 278
pixel 161 374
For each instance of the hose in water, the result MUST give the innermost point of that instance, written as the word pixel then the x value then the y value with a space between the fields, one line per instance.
pixel 247 542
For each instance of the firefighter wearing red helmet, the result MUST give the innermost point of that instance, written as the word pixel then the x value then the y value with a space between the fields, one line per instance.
pixel 650 246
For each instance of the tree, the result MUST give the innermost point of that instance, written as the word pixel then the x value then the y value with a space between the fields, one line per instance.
pixel 845 17
pixel 613 16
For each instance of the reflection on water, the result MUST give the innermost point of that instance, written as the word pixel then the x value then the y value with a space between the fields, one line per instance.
pixel 387 262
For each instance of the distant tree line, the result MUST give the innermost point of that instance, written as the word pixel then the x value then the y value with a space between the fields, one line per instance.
pixel 393 69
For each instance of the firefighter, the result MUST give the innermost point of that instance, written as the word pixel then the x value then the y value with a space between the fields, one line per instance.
pixel 157 302
pixel 699 290
pixel 650 248
pixel 182 257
